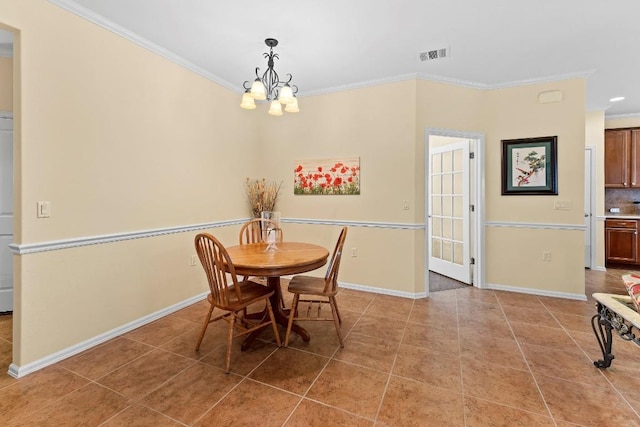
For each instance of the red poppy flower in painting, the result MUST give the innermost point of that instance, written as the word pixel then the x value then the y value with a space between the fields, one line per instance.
pixel 327 177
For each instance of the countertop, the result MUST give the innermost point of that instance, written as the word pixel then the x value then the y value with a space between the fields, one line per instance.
pixel 621 216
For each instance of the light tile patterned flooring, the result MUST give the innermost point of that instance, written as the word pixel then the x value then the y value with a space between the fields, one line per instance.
pixel 463 357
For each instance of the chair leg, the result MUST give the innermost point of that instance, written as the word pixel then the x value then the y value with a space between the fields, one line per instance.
pixel 232 323
pixel 292 314
pixel 336 321
pixel 273 323
pixel 204 327
pixel 335 303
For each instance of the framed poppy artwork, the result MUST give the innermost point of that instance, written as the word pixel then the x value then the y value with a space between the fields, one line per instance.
pixel 530 166
pixel 339 176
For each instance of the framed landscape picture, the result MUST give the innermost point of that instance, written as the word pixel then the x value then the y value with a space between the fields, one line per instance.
pixel 530 166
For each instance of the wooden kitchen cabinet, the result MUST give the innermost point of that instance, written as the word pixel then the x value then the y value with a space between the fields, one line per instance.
pixel 621 241
pixel 622 158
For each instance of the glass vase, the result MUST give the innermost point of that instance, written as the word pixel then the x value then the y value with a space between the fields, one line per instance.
pixel 270 227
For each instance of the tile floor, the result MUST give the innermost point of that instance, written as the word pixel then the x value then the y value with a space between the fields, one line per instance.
pixel 464 357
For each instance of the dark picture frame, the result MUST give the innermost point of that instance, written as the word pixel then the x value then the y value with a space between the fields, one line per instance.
pixel 530 166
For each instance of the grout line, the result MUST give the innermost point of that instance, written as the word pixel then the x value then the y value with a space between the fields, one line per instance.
pixel 144 406
pixel 535 381
pixel 464 413
pixel 150 348
pixel 588 357
pixel 393 364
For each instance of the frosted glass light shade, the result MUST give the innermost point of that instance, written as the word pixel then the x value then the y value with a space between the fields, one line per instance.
pixel 286 95
pixel 275 109
pixel 293 107
pixel 247 101
pixel 257 90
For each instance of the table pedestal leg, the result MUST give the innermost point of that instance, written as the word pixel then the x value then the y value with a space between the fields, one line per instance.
pixel 281 315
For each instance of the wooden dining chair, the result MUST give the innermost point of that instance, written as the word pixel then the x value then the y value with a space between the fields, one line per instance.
pixel 230 296
pixel 251 231
pixel 317 291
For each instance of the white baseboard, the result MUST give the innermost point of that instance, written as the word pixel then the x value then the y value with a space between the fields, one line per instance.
pixel 382 291
pixel 540 292
pixel 20 371
pixel 374 290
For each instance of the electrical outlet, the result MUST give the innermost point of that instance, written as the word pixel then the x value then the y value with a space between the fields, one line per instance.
pixel 546 256
pixel 354 252
pixel 194 260
pixel 405 205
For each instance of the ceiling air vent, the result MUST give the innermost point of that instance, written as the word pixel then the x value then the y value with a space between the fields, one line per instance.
pixel 433 54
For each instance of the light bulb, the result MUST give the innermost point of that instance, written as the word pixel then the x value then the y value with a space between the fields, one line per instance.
pixel 275 109
pixel 257 90
pixel 247 101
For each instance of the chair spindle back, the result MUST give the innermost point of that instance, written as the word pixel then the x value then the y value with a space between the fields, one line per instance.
pixel 251 231
pixel 331 277
pixel 213 257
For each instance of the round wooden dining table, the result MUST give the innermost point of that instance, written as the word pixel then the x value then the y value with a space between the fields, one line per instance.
pixel 254 259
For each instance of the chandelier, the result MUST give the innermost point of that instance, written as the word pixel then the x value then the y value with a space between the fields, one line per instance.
pixel 269 87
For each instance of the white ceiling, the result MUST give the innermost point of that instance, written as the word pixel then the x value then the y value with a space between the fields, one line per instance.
pixel 334 44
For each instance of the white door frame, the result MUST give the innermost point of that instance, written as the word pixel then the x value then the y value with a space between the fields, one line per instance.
pixel 477 200
pixel 591 182
pixel 7 293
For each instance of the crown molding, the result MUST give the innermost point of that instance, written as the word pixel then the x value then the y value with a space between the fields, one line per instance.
pixel 452 81
pixel 363 84
pixel 89 15
pixel 544 79
pixel 622 116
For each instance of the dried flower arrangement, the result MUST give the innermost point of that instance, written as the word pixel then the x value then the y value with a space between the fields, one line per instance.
pixel 262 195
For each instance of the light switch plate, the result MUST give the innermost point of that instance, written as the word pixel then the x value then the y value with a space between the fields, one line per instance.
pixel 44 209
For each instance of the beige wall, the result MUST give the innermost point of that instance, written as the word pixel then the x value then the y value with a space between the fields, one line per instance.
pixel 6 84
pixel 123 141
pixel 355 123
pixel 126 141
pixel 514 254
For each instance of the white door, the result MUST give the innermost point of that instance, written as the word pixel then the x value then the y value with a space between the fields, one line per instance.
pixel 448 215
pixel 6 213
pixel 588 194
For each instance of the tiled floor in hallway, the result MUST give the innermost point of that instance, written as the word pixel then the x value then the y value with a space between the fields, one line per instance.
pixel 463 357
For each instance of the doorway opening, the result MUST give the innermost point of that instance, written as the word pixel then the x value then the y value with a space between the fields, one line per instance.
pixel 589 207
pixel 454 211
